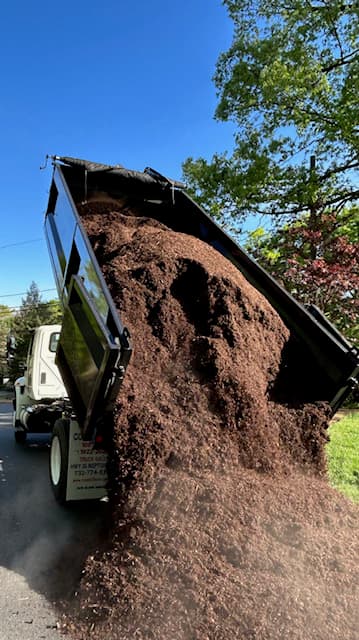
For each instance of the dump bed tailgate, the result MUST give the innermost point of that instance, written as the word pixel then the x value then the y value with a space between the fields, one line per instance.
pixel 94 347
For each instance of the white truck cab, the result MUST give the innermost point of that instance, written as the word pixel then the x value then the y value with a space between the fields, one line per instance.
pixel 42 377
pixel 36 393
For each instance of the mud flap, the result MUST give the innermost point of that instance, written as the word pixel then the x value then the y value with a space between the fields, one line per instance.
pixel 87 468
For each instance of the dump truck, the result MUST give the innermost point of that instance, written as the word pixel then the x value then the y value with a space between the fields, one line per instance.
pixel 93 345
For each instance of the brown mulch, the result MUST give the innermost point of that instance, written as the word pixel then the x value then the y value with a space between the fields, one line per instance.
pixel 223 523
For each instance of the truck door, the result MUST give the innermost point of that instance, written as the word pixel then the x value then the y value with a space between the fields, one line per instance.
pixel 45 376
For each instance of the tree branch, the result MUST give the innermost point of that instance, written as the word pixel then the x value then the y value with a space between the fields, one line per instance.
pixel 340 62
pixel 341 198
pixel 339 169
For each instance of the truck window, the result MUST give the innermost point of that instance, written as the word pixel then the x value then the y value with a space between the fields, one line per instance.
pixel 29 351
pixel 54 338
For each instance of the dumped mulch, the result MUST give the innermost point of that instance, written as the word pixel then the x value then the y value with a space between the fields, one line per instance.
pixel 223 523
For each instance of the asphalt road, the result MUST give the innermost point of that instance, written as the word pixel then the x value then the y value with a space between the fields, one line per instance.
pixel 42 544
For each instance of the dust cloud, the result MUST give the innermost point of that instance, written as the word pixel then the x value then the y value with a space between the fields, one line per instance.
pixel 40 540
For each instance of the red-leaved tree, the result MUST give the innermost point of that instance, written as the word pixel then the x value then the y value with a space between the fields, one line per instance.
pixel 317 260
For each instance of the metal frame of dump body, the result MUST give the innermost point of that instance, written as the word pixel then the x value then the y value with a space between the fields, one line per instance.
pixel 94 346
pixel 320 346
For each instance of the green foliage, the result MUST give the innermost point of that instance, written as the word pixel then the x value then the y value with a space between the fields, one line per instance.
pixel 316 259
pixel 343 455
pixel 32 313
pixel 290 83
pixel 5 322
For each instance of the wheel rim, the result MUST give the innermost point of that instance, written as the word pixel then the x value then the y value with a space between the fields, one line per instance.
pixel 55 460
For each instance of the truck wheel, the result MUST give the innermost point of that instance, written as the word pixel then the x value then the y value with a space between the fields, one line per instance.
pixel 20 437
pixel 59 455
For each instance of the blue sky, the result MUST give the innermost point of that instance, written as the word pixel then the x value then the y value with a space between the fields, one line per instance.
pixel 116 82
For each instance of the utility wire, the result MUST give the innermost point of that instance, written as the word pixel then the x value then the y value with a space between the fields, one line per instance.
pixel 20 306
pixel 23 293
pixel 17 244
pixel 7 313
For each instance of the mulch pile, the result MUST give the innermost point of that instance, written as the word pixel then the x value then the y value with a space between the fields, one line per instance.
pixel 223 523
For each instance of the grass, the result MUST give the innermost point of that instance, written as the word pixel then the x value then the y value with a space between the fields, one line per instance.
pixel 343 455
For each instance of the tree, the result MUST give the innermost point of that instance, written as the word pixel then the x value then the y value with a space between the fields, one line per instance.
pixel 32 313
pixel 290 85
pixel 5 323
pixel 317 265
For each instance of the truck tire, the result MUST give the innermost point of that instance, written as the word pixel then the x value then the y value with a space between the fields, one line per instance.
pixel 58 461
pixel 20 437
pixel 19 434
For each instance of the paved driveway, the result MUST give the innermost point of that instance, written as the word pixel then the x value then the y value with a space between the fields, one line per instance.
pixel 42 544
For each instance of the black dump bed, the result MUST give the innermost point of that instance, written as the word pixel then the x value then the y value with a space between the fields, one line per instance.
pixel 95 348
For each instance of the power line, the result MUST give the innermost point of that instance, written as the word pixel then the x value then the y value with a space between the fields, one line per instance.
pixel 8 312
pixel 17 244
pixel 23 293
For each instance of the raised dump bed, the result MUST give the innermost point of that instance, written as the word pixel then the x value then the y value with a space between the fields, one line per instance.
pixel 95 346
